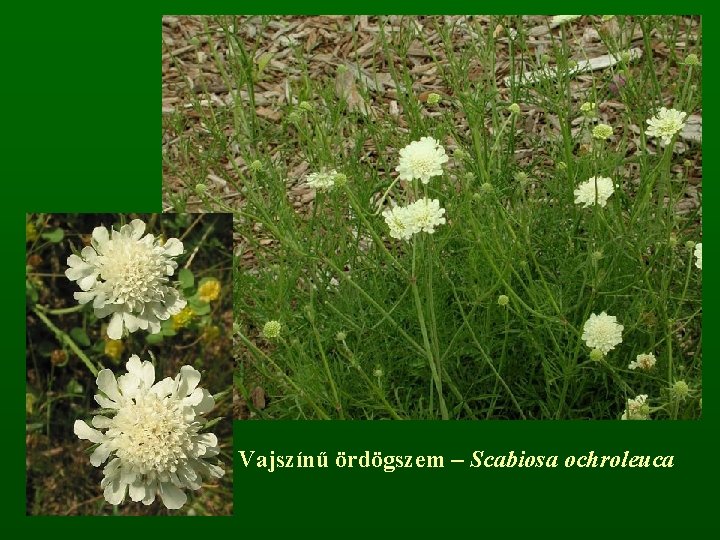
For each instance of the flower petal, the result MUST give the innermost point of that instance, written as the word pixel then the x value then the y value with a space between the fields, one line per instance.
pixel 137 491
pixel 150 491
pixel 106 403
pixel 164 387
pixel 206 405
pixel 100 235
pixel 84 297
pixel 138 228
pixel 115 328
pixel 189 379
pixel 144 371
pixel 101 422
pixel 172 496
pixel 107 384
pixel 87 283
pixel 173 247
pixel 101 453
pixel 115 492
pixel 82 430
pixel 131 322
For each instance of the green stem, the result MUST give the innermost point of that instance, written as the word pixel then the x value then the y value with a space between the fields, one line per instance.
pixel 426 341
pixel 61 311
pixel 331 380
pixel 67 340
pixel 282 374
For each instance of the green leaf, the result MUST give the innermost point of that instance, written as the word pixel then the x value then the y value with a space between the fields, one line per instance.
pixel 198 306
pixel 74 387
pixel 186 278
pixel 154 339
pixel 168 331
pixel 80 337
pixel 31 292
pixel 54 236
pixel 262 63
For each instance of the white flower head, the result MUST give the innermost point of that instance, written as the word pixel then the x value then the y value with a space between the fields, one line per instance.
pixel 643 361
pixel 698 255
pixel 665 124
pixel 602 332
pixel 426 214
pixel 421 216
pixel 421 160
pixel 557 20
pixel 322 181
pixel 398 222
pixel 126 275
pixel 637 409
pixel 594 190
pixel 150 432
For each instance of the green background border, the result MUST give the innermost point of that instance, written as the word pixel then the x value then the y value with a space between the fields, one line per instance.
pixel 81 93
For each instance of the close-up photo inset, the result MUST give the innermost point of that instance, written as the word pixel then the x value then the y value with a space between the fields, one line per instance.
pixel 129 364
pixel 449 217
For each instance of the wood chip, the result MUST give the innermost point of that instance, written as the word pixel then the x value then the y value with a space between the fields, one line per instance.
pixel 346 88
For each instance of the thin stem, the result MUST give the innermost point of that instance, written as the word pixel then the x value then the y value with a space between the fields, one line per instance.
pixel 331 380
pixel 428 349
pixel 67 340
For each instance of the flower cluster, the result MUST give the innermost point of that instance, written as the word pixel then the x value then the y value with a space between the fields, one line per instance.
pixel 602 332
pixel 665 124
pixel 152 435
pixel 560 19
pixel 637 409
pixel 272 329
pixel 643 361
pixel 322 181
pixel 421 216
pixel 421 160
pixel 209 290
pixel 126 275
pixel 596 190
pixel 602 132
pixel 588 108
pixel 698 255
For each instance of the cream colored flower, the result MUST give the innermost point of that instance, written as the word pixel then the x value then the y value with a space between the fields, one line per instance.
pixel 421 216
pixel 602 332
pixel 643 361
pixel 665 124
pixel 421 160
pixel 152 435
pixel 637 409
pixel 588 109
pixel 425 214
pixel 321 181
pixel 126 275
pixel 397 221
pixel 557 20
pixel 698 255
pixel 594 190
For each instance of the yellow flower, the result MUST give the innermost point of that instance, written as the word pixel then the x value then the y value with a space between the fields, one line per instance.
pixel 210 334
pixel 31 233
pixel 30 400
pixel 209 290
pixel 183 318
pixel 114 348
